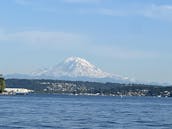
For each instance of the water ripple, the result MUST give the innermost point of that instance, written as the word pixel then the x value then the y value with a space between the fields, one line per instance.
pixel 84 112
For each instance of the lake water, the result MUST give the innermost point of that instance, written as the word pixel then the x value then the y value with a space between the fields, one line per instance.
pixel 84 112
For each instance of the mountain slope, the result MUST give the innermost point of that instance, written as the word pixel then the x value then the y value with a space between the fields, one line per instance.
pixel 75 68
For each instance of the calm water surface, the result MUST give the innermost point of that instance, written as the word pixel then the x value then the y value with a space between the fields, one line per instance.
pixel 84 112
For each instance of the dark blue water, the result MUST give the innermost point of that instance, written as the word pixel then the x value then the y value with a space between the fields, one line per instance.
pixel 85 112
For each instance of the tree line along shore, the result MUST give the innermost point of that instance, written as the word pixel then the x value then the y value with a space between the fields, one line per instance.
pixel 89 88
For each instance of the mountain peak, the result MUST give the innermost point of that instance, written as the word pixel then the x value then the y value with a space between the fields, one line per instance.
pixel 78 62
pixel 75 58
pixel 77 68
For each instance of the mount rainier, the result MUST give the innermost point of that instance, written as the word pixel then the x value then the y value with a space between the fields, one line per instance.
pixel 74 68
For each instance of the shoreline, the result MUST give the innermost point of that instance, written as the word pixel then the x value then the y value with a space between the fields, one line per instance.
pixel 85 94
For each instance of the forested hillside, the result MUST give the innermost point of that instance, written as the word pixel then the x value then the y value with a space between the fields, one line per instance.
pixel 93 88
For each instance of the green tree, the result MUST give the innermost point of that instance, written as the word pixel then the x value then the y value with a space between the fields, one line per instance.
pixel 2 84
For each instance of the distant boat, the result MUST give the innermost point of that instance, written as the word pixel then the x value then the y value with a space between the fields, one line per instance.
pixel 159 96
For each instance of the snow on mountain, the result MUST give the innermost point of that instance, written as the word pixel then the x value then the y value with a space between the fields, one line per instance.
pixel 73 67
pixel 76 68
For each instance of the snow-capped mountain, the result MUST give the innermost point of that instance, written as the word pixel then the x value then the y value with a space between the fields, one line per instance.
pixel 75 68
pixel 78 69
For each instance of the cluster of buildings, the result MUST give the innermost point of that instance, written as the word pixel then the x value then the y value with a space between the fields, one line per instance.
pixel 82 88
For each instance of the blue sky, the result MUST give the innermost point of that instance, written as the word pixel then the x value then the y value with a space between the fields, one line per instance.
pixel 126 37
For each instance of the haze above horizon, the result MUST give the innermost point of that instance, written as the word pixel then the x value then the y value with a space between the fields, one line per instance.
pixel 128 38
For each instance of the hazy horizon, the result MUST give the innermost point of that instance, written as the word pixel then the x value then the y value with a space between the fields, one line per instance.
pixel 128 38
